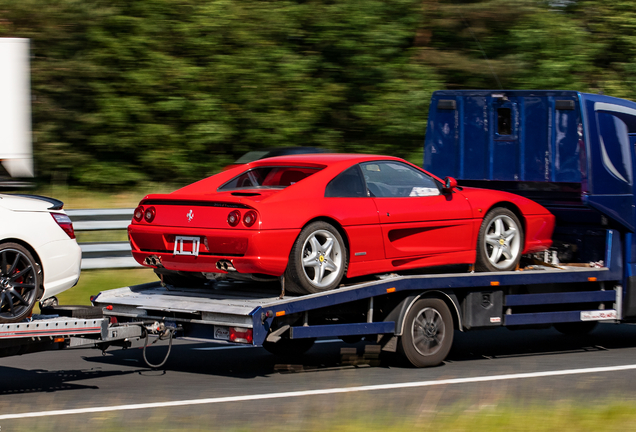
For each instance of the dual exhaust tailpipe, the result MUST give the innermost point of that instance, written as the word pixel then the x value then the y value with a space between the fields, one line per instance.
pixel 225 265
pixel 153 260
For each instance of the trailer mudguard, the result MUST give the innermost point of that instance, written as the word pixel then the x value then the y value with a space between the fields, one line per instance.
pixel 400 311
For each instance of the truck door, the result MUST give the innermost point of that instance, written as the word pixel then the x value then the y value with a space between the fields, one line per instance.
pixel 504 133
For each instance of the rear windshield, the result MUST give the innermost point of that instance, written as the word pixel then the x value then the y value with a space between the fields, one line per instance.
pixel 269 177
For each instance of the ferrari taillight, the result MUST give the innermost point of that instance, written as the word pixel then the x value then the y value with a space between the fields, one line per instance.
pixel 138 215
pixel 249 218
pixel 234 218
pixel 65 223
pixel 149 214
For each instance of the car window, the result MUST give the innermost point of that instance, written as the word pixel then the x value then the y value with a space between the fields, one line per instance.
pixel 347 184
pixel 396 179
pixel 269 177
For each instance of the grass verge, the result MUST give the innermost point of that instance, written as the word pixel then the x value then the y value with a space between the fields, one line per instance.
pixel 563 416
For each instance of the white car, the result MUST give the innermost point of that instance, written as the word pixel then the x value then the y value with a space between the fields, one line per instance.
pixel 39 256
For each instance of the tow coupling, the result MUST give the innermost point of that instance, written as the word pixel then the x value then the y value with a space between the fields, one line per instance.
pixel 164 330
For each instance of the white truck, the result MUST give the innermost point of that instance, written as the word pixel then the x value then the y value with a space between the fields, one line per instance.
pixel 16 150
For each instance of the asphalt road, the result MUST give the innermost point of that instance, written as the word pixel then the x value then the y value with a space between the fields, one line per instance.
pixel 221 386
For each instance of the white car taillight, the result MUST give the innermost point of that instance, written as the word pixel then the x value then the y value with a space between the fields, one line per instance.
pixel 65 223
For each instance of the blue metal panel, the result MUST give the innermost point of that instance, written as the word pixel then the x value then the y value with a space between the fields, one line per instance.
pixel 559 298
pixel 542 318
pixel 442 143
pixel 260 327
pixel 475 137
pixel 610 156
pixel 535 134
pixel 461 281
pixel 566 149
pixel 541 147
pixel 505 146
pixel 334 330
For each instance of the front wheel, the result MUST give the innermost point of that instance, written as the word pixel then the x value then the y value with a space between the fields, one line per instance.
pixel 500 241
pixel 428 333
pixel 19 282
pixel 318 259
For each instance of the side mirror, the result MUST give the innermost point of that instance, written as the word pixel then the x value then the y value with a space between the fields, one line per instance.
pixel 449 184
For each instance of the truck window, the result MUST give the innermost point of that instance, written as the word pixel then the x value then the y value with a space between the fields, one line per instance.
pixel 504 121
pixel 615 146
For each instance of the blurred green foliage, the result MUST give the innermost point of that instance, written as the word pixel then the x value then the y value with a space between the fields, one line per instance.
pixel 173 90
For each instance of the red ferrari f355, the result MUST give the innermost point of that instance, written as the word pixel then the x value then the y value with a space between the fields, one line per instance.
pixel 319 218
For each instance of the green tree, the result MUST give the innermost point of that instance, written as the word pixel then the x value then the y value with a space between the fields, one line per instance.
pixel 174 90
pixel 498 44
pixel 611 26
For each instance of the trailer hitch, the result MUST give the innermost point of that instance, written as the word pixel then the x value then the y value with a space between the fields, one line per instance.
pixel 164 331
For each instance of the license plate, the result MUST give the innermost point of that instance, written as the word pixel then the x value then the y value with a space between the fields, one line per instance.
pixel 184 245
pixel 221 333
pixel 599 315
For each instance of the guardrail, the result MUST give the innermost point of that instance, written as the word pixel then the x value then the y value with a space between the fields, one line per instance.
pixel 103 255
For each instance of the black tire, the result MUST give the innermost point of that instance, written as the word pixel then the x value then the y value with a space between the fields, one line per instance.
pixel 500 241
pixel 576 328
pixel 287 348
pixel 20 281
pixel 318 260
pixel 428 333
pixel 74 311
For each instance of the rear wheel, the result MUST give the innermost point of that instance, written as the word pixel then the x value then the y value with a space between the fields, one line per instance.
pixel 428 333
pixel 19 282
pixel 318 259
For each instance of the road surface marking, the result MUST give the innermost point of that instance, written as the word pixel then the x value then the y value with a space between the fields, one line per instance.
pixel 293 394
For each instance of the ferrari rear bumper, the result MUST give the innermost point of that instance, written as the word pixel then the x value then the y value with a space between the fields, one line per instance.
pixel 248 250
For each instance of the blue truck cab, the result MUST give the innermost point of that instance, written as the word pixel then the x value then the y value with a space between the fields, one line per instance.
pixel 572 152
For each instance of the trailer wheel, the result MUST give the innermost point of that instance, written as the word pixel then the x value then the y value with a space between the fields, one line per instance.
pixel 500 241
pixel 428 333
pixel 289 347
pixel 318 259
pixel 19 282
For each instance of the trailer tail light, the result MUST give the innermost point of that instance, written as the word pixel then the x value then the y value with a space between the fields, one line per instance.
pixel 65 223
pixel 249 219
pixel 241 335
pixel 234 218
pixel 149 214
pixel 138 214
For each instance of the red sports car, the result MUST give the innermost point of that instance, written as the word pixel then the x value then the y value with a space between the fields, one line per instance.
pixel 318 218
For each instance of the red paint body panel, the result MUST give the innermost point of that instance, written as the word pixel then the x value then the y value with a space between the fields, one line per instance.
pixel 413 226
pixel 382 234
